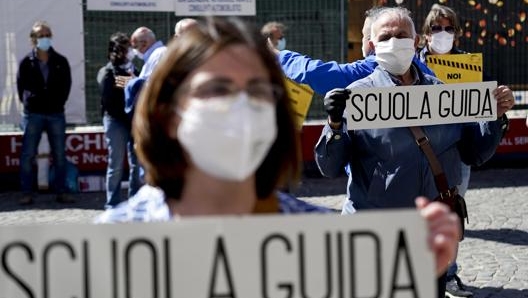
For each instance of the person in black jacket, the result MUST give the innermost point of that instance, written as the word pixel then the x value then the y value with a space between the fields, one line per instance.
pixel 43 84
pixel 117 123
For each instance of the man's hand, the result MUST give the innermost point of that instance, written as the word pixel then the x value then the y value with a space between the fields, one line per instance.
pixel 121 81
pixel 335 103
pixel 444 231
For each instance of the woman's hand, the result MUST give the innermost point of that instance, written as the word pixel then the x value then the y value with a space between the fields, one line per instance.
pixel 505 100
pixel 444 231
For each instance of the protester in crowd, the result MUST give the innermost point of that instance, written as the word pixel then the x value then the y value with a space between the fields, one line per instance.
pixel 324 76
pixel 215 131
pixel 147 48
pixel 388 168
pixel 441 31
pixel 274 32
pixel 183 25
pixel 43 84
pixel 117 124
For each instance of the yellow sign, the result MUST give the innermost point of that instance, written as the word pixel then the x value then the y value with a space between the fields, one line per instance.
pixel 456 68
pixel 301 98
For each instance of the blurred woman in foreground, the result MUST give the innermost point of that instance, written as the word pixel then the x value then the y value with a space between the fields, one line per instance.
pixel 216 135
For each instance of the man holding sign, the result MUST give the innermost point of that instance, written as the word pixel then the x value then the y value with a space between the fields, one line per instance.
pixel 388 169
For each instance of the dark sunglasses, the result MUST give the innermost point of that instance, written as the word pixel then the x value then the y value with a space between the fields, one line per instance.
pixel 438 28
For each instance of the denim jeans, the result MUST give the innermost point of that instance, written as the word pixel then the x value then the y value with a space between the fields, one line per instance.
pixel 119 140
pixel 34 125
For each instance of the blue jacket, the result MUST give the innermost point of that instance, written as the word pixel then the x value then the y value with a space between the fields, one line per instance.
pixel 387 168
pixel 325 76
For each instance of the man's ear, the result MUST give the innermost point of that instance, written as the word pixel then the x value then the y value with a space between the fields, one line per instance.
pixel 372 48
pixel 416 41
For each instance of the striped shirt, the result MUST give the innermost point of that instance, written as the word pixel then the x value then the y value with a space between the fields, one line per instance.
pixel 148 205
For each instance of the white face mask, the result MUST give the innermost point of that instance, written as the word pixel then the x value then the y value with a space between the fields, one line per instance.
pixel 281 44
pixel 395 55
pixel 228 137
pixel 442 42
pixel 130 54
pixel 138 54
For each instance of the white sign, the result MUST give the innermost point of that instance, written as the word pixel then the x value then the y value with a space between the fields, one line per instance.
pixel 215 8
pixel 402 106
pixel 370 254
pixel 131 5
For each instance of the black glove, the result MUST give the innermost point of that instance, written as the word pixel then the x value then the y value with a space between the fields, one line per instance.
pixel 335 102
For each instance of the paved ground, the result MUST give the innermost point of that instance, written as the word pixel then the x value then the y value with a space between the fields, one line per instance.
pixel 493 258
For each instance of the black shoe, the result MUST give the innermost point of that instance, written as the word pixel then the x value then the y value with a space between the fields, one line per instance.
pixel 64 199
pixel 456 289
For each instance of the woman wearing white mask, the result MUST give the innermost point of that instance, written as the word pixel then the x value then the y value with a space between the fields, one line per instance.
pixel 440 30
pixel 215 132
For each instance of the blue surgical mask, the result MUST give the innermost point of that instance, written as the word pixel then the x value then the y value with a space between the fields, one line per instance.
pixel 44 43
pixel 281 44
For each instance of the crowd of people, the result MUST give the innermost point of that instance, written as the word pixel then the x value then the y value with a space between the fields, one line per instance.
pixel 208 129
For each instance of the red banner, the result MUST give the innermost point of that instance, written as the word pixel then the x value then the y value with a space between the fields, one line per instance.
pixel 87 150
pixel 516 139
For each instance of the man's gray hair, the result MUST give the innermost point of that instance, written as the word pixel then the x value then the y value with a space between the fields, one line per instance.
pixel 399 12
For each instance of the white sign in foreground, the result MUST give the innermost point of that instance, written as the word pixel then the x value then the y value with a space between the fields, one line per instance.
pixel 402 106
pixel 370 254
pixel 215 7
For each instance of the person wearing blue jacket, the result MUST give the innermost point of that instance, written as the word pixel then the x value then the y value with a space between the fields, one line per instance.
pixel 324 76
pixel 388 169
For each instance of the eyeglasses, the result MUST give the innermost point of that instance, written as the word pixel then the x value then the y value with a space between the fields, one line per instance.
pixel 438 28
pixel 257 90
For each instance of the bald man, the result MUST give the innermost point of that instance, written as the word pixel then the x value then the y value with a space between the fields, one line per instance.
pixel 183 25
pixel 147 48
